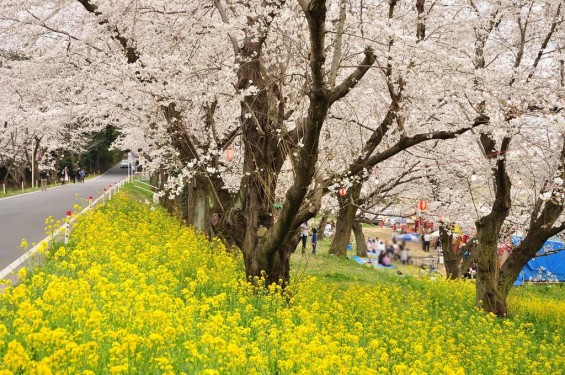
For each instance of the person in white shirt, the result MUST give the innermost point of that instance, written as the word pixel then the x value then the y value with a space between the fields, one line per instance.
pixel 381 247
pixel 427 239
pixel 304 229
pixel 328 230
pixel 369 245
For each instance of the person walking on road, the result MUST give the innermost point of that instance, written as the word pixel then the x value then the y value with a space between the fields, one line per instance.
pixel 43 175
pixel 81 174
pixel 65 176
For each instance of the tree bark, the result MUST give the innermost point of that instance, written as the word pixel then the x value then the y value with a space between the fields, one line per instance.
pixel 198 205
pixel 345 218
pixel 322 225
pixel 361 245
pixel 452 260
pixel 489 296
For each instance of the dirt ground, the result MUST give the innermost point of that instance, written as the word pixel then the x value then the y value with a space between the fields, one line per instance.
pixel 416 255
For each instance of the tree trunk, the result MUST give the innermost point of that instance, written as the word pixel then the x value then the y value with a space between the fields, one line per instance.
pixel 489 296
pixel 452 259
pixel 345 219
pixel 360 239
pixel 198 205
pixel 265 244
pixel 452 253
pixel 322 226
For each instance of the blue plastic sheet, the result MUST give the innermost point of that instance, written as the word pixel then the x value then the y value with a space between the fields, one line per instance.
pixel 544 268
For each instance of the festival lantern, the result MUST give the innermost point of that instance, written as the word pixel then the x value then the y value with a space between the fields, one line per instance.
pixel 342 191
pixel 422 205
pixel 229 154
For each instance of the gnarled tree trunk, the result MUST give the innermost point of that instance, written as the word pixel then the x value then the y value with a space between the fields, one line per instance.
pixel 322 226
pixel 489 296
pixel 456 260
pixel 198 205
pixel 452 259
pixel 345 218
pixel 360 244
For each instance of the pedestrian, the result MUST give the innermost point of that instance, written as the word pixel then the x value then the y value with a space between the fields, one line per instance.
pixel 381 247
pixel 403 255
pixel 43 175
pixel 369 245
pixel 314 240
pixel 386 260
pixel 304 235
pixel 328 230
pixel 380 258
pixel 427 238
pixel 64 176
pixel 81 175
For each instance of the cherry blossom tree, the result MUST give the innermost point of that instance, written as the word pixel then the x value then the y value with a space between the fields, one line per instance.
pixel 305 97
pixel 517 90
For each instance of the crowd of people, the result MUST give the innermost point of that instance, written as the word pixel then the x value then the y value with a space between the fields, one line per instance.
pixel 75 175
pixel 386 251
pixel 65 176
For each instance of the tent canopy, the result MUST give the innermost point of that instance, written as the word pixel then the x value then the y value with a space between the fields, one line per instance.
pixel 544 268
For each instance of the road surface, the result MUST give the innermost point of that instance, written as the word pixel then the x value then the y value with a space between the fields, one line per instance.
pixel 23 216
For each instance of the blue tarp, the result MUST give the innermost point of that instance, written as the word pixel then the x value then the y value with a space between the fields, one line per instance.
pixel 544 268
pixel 371 261
pixel 408 237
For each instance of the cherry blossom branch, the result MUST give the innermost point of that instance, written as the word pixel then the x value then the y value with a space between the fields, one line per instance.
pixel 545 41
pixel 354 78
pixel 337 44
pixel 407 142
pixel 315 12
pixel 131 52
pixel 225 19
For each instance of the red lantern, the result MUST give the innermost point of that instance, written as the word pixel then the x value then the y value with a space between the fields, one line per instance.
pixel 422 205
pixel 342 191
pixel 229 153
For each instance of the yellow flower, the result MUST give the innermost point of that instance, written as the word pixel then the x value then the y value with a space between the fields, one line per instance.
pixel 16 357
pixel 22 273
pixel 24 245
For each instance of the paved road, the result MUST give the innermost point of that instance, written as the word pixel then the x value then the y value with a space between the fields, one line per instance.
pixel 23 216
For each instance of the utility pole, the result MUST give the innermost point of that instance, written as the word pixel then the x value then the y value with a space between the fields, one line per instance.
pixel 33 163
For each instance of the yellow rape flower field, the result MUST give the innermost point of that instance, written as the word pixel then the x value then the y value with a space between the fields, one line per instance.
pixel 135 293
